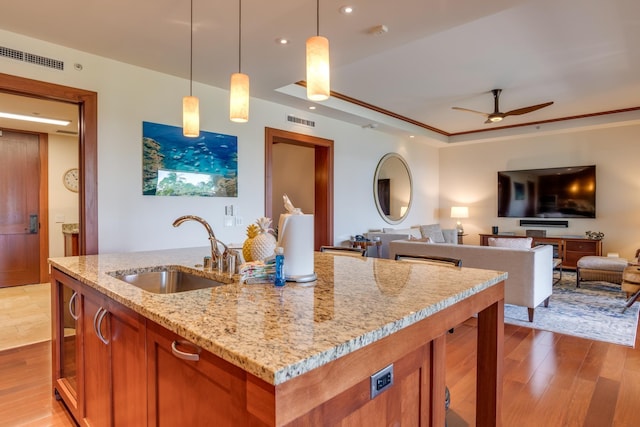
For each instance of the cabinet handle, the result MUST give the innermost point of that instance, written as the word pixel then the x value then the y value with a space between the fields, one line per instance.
pixel 72 305
pixel 97 324
pixel 194 357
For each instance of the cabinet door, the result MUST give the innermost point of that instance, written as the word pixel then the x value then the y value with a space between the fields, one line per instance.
pixel 97 393
pixel 181 392
pixel 128 369
pixel 67 340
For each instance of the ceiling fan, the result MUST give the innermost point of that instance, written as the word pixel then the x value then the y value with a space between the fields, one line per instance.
pixel 497 116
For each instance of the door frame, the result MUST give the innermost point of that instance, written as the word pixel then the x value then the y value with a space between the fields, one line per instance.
pixel 323 215
pixel 87 102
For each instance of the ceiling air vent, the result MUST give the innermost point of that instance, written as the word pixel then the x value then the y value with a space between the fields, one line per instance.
pixel 298 120
pixel 31 58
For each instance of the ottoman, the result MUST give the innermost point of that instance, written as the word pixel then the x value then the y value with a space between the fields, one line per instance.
pixel 600 268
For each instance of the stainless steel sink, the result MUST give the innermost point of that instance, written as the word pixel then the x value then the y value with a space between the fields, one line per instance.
pixel 168 280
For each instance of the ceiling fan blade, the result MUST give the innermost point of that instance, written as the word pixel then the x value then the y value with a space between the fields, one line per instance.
pixel 527 109
pixel 470 111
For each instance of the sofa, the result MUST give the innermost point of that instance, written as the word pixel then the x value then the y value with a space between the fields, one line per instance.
pixel 530 271
pixel 431 232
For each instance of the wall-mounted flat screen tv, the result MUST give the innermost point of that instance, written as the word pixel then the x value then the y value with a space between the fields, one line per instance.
pixel 565 192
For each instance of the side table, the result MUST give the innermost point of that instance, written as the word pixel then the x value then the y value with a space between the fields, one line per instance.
pixel 366 244
pixel 460 239
pixel 631 283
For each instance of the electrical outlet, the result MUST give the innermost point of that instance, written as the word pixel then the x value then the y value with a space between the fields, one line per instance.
pixel 381 380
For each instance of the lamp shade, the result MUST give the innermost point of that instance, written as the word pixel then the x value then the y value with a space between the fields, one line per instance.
pixel 459 212
pixel 318 78
pixel 239 98
pixel 190 116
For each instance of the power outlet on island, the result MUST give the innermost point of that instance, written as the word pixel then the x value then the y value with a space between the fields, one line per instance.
pixel 381 380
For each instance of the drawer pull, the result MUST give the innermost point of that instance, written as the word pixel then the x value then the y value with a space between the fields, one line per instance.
pixel 97 324
pixel 193 357
pixel 72 306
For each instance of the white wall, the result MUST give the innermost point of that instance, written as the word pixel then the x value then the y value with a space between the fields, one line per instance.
pixel 468 177
pixel 129 95
pixel 63 204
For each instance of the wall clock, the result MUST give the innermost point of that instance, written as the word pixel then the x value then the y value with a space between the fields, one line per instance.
pixel 71 179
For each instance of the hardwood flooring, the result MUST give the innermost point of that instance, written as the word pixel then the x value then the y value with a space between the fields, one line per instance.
pixel 26 396
pixel 549 379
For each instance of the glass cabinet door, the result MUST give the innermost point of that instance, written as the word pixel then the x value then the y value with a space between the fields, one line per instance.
pixel 67 306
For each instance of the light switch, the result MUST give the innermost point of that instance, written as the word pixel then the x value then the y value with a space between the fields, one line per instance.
pixel 60 218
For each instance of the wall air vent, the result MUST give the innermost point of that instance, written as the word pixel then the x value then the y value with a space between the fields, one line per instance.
pixel 31 58
pixel 298 120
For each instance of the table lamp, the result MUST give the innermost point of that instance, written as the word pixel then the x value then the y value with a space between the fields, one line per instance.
pixel 459 212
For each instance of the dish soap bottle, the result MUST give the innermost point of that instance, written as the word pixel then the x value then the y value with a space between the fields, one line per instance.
pixel 279 280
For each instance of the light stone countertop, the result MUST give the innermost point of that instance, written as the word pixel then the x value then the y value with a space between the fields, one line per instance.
pixel 279 333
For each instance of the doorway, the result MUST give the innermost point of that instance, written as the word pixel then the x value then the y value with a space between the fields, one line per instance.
pixel 322 179
pixel 87 103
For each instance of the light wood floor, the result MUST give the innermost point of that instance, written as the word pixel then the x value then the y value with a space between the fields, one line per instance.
pixel 549 380
pixel 25 315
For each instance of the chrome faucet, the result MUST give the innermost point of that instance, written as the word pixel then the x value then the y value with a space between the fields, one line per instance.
pixel 215 252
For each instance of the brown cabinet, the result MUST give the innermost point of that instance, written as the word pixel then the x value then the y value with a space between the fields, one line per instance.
pixel 106 384
pixel 188 386
pixel 569 249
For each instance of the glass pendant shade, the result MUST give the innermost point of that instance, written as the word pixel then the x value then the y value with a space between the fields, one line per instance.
pixel 239 98
pixel 190 116
pixel 318 79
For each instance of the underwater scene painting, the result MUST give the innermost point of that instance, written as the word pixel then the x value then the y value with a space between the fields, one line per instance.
pixel 174 165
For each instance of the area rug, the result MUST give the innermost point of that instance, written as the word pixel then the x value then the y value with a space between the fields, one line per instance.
pixel 593 311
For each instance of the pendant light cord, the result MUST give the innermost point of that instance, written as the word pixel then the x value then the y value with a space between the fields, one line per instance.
pixel 317 17
pixel 191 54
pixel 240 36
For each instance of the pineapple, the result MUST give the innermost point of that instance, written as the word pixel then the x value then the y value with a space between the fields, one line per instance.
pixel 252 232
pixel 264 244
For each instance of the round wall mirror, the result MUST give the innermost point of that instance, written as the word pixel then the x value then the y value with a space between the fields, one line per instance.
pixel 392 188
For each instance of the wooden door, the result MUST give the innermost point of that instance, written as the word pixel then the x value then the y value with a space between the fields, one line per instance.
pixel 19 209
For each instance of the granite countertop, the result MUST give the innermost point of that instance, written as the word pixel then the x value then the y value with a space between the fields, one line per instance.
pixel 71 228
pixel 279 333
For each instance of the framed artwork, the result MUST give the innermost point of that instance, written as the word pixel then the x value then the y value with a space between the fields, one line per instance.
pixel 174 165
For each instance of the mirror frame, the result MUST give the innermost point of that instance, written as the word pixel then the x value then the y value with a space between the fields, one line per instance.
pixel 376 196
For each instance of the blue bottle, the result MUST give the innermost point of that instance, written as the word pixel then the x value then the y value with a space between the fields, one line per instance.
pixel 279 280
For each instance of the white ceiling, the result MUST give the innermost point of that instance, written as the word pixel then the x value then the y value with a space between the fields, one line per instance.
pixel 582 54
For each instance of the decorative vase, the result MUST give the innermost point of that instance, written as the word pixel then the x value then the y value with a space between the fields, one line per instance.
pixel 264 244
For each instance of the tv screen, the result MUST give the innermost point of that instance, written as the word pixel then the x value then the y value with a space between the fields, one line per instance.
pixel 566 192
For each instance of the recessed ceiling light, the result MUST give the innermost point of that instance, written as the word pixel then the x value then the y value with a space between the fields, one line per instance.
pixel 313 107
pixel 412 136
pixel 282 40
pixel 35 119
pixel 346 10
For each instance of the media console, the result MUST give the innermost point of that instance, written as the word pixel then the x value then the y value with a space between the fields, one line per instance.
pixel 569 249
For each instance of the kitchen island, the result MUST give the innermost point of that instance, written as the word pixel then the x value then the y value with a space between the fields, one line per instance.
pixel 303 354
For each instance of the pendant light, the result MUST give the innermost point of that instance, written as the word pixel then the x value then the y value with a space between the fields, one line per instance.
pixel 239 89
pixel 318 84
pixel 190 104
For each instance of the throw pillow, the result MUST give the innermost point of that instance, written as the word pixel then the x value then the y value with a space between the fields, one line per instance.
pixel 502 242
pixel 421 239
pixel 432 231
